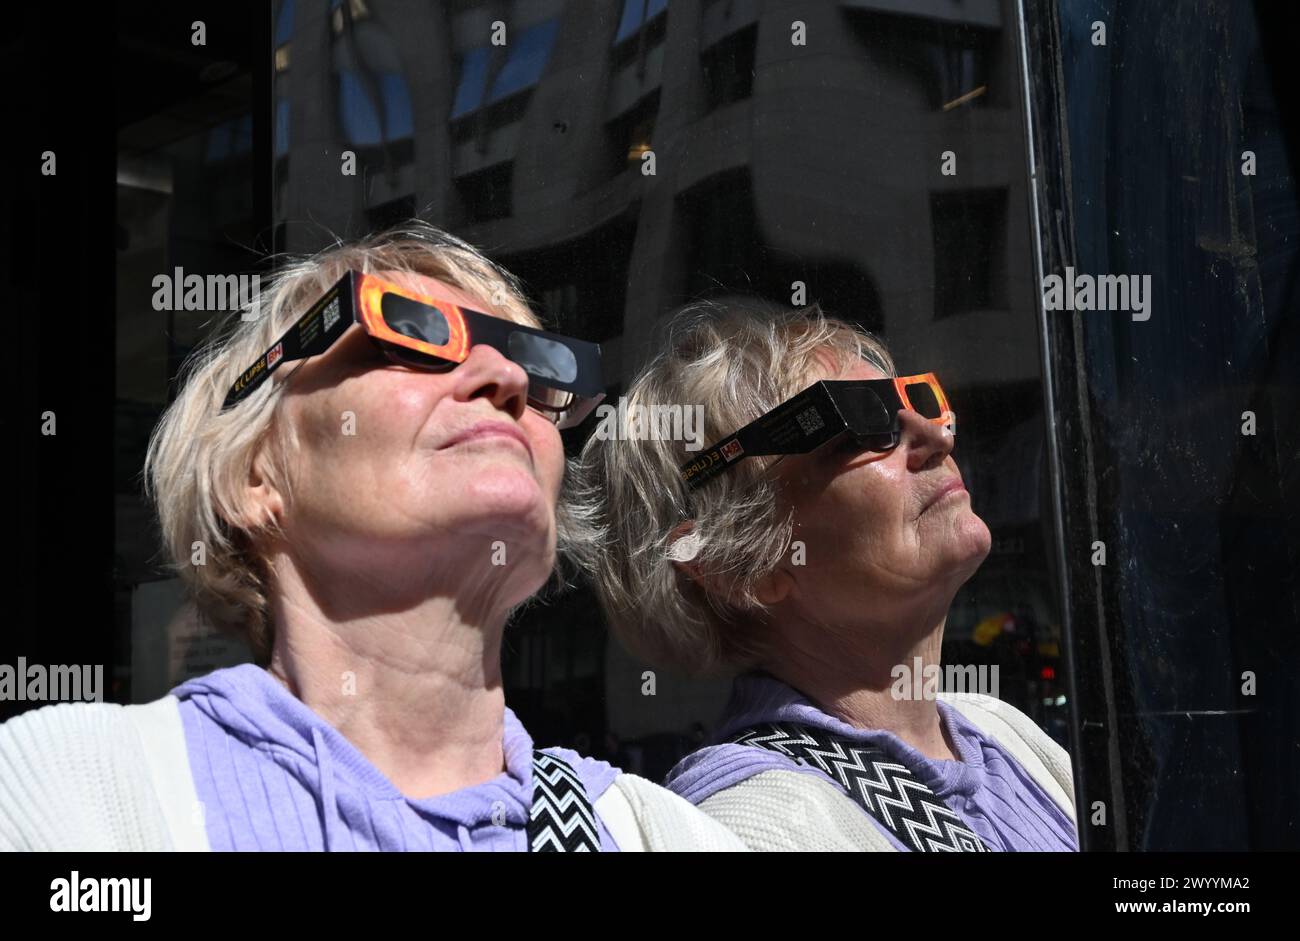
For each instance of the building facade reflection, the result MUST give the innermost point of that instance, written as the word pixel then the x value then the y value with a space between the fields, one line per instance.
pixel 626 156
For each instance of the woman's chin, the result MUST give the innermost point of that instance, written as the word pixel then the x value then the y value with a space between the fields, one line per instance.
pixel 503 491
pixel 964 543
pixel 504 507
pixel 972 541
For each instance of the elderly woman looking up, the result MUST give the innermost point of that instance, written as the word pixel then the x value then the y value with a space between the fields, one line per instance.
pixel 816 547
pixel 366 517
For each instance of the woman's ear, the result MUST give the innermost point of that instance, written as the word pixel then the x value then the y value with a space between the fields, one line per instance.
pixel 261 494
pixel 774 587
pixel 684 542
pixel 683 547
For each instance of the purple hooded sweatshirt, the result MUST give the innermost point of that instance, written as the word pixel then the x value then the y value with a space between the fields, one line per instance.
pixel 273 775
pixel 987 788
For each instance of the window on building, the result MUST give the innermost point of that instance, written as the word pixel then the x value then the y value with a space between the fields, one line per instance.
pixel 281 126
pixel 492 74
pixel 472 68
pixel 729 68
pixel 630 134
pixel 968 228
pixel 484 121
pixel 641 27
pixel 960 59
pixel 357 10
pixel 636 14
pixel 486 194
pixel 283 34
pixel 525 60
pixel 374 108
pixel 954 63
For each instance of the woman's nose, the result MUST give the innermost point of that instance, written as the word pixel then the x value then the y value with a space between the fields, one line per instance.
pixel 927 444
pixel 485 373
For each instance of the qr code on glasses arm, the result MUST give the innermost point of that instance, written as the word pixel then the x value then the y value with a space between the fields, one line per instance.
pixel 809 421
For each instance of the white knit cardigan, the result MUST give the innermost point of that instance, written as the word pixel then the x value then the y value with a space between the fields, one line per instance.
pixel 793 810
pixel 109 778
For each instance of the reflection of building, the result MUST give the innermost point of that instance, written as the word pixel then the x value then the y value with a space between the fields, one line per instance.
pixel 791 142
pixel 775 161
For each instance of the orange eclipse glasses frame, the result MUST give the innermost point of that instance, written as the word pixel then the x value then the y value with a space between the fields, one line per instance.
pixel 867 409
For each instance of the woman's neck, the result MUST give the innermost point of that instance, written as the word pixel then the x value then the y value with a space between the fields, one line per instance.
pixel 866 677
pixel 416 689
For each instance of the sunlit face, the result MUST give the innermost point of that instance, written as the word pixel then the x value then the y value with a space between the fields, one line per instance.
pixel 400 460
pixel 882 531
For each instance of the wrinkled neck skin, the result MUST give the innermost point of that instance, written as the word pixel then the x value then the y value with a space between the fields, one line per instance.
pixel 846 670
pixel 400 651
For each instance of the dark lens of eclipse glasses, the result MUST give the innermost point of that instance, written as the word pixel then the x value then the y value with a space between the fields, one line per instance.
pixel 540 357
pixel 923 399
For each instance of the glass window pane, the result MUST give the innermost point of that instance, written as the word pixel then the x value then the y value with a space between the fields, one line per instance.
pixel 631 19
pixel 473 81
pixel 525 60
pixel 357 114
pixel 281 127
pixel 397 105
pixel 284 23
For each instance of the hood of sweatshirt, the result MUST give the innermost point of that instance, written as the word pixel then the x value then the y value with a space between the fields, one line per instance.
pixel 248 703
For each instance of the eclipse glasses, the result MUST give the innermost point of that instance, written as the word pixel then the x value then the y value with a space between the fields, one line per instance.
pixel 867 409
pixel 565 377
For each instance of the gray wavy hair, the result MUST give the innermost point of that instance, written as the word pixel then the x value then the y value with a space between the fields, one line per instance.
pixel 198 461
pixel 738 359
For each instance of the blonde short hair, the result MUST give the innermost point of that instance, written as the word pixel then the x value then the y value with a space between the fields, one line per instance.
pixel 738 359
pixel 199 458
